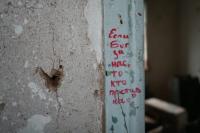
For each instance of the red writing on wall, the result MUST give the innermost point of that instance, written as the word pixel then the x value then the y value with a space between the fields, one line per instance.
pixel 117 73
pixel 119 46
pixel 115 83
pixel 120 63
pixel 115 44
pixel 113 34
pixel 133 92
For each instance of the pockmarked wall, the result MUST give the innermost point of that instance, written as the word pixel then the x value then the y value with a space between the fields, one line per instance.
pixel 35 37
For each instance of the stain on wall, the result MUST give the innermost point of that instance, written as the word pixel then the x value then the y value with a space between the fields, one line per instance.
pixel 26 40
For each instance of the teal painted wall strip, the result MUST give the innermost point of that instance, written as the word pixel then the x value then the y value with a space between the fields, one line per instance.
pixel 124 68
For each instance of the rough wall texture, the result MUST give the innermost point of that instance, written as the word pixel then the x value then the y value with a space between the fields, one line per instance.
pixel 37 33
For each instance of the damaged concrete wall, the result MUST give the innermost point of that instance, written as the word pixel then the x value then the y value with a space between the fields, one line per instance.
pixel 46 33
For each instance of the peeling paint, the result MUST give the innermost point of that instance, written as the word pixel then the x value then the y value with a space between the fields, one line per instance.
pixel 36 90
pixel 36 124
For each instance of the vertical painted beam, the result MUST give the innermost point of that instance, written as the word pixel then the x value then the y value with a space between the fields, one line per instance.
pixel 124 67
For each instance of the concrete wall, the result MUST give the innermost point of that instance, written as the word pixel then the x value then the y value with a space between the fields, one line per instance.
pixel 163 45
pixel 190 37
pixel 30 30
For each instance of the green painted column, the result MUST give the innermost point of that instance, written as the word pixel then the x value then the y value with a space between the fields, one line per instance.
pixel 124 66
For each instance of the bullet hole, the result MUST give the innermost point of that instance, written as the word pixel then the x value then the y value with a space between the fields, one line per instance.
pixel 139 14
pixel 52 80
pixel 120 19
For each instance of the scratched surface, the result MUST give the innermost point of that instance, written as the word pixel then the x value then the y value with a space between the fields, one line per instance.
pixel 123 60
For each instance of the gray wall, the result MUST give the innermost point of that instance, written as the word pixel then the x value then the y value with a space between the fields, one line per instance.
pixel 27 28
